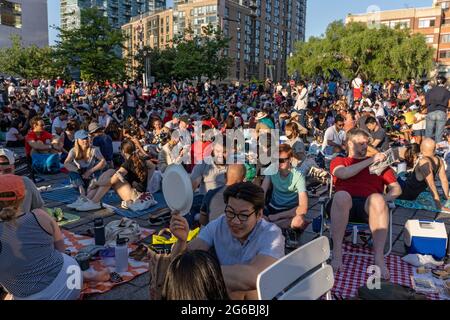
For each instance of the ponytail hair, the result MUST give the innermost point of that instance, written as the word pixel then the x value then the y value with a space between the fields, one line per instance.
pixel 8 209
pixel 140 169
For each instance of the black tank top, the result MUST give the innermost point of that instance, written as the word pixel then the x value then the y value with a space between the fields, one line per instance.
pixel 414 187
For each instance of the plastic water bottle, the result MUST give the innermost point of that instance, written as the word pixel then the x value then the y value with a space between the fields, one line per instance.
pixel 99 232
pixel 121 254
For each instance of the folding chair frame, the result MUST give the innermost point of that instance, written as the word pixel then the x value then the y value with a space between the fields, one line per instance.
pixel 324 225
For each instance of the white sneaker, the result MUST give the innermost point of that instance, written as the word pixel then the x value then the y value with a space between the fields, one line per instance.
pixel 89 205
pixel 81 200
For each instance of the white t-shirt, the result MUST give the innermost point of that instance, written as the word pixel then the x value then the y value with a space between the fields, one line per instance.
pixel 302 100
pixel 57 123
pixel 11 134
pixel 420 125
pixel 333 135
pixel 357 83
pixel 380 112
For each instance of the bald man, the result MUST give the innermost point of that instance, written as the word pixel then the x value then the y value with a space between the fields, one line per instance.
pixel 213 204
pixel 425 171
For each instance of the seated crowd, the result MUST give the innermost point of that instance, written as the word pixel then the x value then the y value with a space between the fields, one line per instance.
pixel 248 210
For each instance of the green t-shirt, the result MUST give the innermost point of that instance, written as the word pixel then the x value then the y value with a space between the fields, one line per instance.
pixel 286 189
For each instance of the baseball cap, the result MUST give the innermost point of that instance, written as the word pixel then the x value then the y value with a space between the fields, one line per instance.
pixel 81 134
pixel 176 116
pixel 8 154
pixel 12 184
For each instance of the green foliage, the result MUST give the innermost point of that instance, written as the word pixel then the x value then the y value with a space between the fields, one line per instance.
pixel 191 56
pixel 354 48
pixel 94 48
pixel 28 62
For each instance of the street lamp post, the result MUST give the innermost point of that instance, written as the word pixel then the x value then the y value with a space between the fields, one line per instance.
pixel 253 7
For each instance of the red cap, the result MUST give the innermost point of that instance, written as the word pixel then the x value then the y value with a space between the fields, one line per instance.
pixel 12 184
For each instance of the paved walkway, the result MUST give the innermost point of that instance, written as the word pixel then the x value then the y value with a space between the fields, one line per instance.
pixel 137 289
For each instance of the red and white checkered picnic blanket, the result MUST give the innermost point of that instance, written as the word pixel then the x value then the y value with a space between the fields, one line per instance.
pixel 354 274
pixel 74 242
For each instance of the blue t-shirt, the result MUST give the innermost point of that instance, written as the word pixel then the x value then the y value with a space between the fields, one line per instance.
pixel 265 239
pixel 286 189
pixel 104 142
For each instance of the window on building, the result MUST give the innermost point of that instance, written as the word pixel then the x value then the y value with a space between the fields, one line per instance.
pixel 444 54
pixel 445 5
pixel 429 38
pixel 10 14
pixel 427 23
pixel 445 38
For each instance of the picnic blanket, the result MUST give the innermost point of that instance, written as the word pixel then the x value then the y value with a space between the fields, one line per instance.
pixel 158 196
pixel 75 242
pixel 354 274
pixel 68 194
pixel 423 202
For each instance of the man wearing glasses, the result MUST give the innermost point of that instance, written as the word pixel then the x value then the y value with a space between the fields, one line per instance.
pixel 245 243
pixel 334 138
pixel 33 199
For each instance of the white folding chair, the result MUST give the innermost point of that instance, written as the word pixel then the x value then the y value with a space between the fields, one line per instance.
pixel 301 275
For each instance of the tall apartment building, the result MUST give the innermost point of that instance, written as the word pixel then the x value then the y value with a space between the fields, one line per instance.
pixel 433 22
pixel 25 18
pixel 262 33
pixel 119 12
pixel 153 30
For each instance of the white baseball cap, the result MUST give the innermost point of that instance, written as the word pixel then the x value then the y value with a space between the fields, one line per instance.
pixel 8 154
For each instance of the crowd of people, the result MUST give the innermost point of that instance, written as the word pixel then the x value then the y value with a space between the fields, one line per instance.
pixel 123 137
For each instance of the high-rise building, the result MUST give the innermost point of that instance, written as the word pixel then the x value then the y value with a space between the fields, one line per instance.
pixel 25 18
pixel 152 30
pixel 433 22
pixel 119 12
pixel 262 32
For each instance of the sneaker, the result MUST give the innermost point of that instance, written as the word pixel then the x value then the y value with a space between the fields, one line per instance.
pixel 89 205
pixel 80 201
pixel 144 202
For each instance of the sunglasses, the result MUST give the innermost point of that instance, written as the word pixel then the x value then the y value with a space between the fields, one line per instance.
pixel 284 160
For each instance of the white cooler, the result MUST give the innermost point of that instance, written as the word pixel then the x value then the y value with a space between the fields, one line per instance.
pixel 426 237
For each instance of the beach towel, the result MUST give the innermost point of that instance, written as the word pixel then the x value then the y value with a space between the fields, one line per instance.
pixel 423 202
pixel 75 242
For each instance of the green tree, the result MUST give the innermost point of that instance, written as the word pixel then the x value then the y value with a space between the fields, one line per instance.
pixel 355 48
pixel 28 62
pixel 161 62
pixel 94 48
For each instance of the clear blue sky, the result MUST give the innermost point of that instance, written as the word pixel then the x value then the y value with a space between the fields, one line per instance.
pixel 319 14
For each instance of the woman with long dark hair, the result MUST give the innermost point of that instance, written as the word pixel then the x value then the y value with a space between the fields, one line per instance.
pixel 129 181
pixel 204 283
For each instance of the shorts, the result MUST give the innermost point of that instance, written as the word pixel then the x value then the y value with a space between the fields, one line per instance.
pixel 271 209
pixel 418 133
pixel 358 212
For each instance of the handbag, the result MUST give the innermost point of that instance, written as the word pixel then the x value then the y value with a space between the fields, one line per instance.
pixel 124 228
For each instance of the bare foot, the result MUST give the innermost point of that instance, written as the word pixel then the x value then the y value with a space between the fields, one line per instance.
pixel 96 276
pixel 385 275
pixel 336 262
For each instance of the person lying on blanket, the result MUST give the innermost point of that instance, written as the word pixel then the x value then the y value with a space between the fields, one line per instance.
pixel 32 263
pixel 130 181
pixel 244 242
pixel 359 197
pixel 427 167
